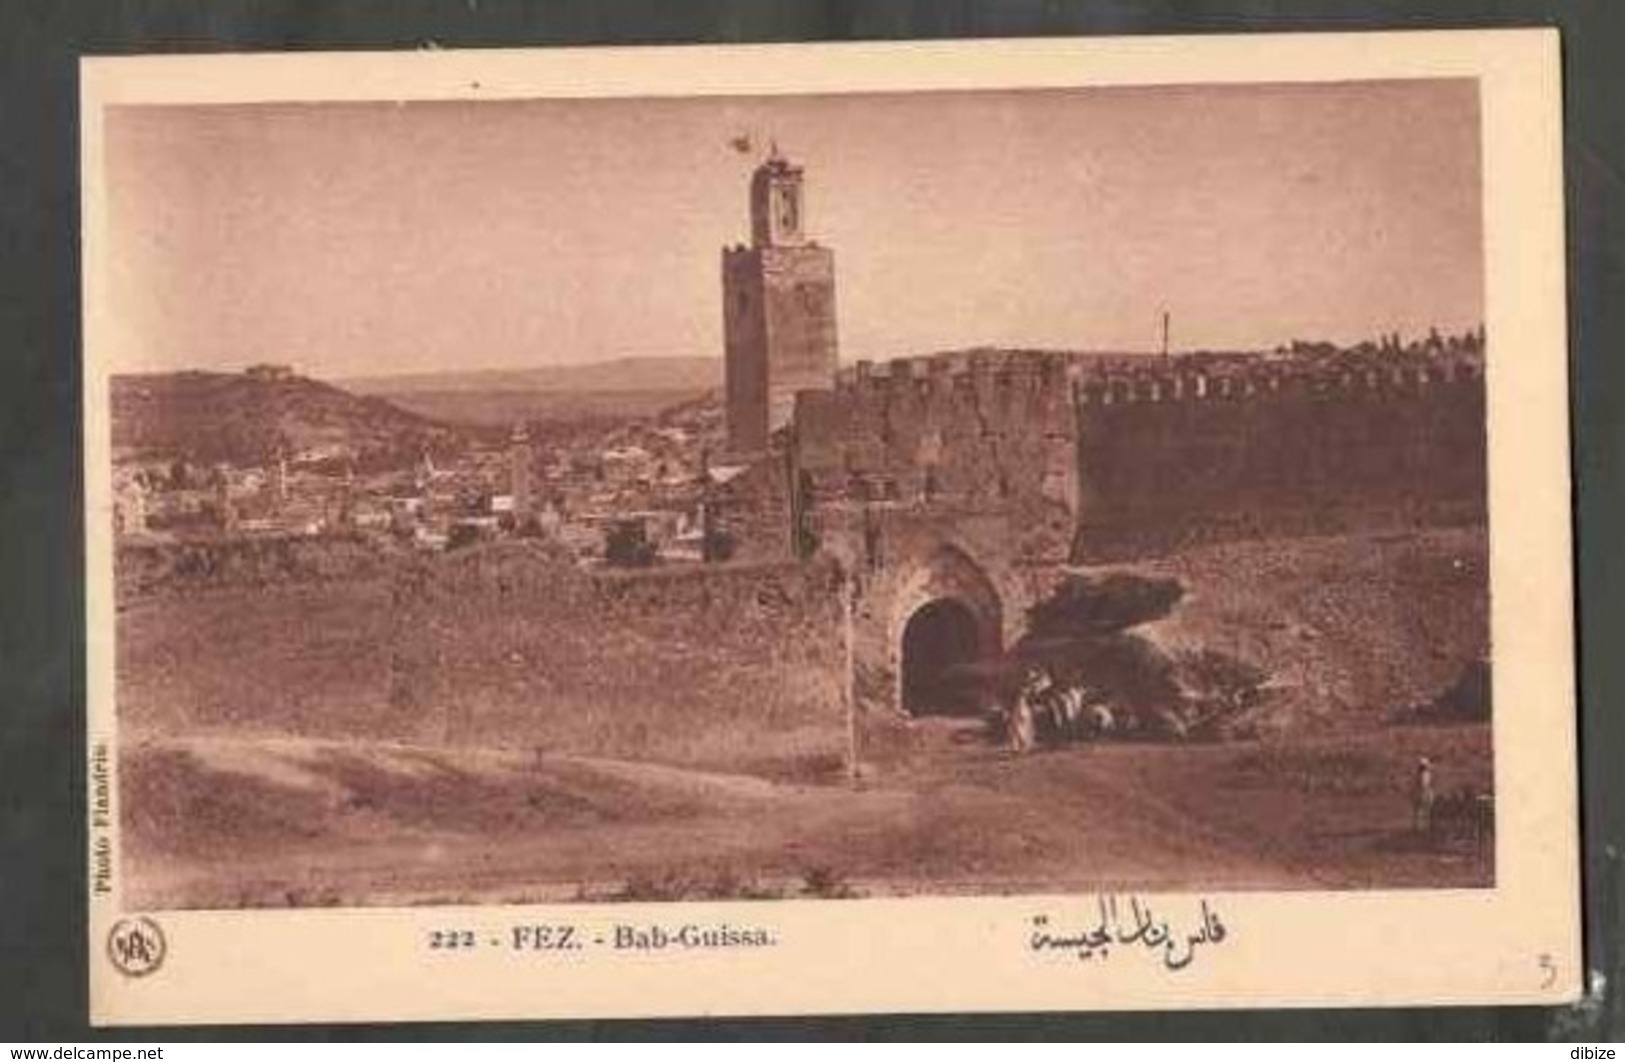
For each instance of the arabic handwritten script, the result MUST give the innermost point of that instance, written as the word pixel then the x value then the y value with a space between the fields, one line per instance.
pixel 1131 924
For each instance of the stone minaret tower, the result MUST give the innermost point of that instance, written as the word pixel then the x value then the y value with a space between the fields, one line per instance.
pixel 778 309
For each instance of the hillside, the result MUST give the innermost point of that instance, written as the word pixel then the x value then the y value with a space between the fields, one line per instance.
pixel 592 393
pixel 595 393
pixel 241 418
pixel 602 377
pixel 483 410
pixel 1351 628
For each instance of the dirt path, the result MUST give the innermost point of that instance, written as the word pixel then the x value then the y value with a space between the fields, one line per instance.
pixel 296 822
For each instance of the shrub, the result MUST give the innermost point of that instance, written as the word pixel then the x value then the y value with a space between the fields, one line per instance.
pixel 826 883
pixel 627 546
pixel 1468 698
pixel 1221 688
pixel 1219 679
pixel 718 545
pixel 462 535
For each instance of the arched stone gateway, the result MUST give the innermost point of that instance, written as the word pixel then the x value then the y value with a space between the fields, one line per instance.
pixel 946 619
pixel 939 643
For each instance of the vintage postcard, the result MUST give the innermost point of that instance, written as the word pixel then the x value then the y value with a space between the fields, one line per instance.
pixel 1014 525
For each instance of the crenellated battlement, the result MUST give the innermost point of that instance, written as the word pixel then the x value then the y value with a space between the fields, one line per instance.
pixel 988 372
pixel 1176 385
pixel 964 370
pixel 1157 452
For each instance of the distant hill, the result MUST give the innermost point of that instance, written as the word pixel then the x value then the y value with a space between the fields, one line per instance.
pixel 595 393
pixel 487 410
pixel 242 418
pixel 643 375
pixel 605 391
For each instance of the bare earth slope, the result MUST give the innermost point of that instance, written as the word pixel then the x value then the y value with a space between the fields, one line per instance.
pixel 328 796
pixel 1350 628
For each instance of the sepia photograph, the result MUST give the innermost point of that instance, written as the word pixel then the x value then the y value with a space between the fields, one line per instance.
pixel 661 499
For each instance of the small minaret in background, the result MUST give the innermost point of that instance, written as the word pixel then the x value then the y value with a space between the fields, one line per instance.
pixel 521 459
pixel 279 483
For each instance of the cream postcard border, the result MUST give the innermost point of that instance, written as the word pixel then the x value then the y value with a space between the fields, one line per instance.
pixel 1516 943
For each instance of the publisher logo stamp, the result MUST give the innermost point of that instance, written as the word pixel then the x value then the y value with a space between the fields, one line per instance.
pixel 136 946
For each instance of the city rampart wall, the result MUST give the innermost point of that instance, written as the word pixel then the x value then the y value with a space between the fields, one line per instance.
pixel 736 666
pixel 1167 460
pixel 979 430
pixel 1148 461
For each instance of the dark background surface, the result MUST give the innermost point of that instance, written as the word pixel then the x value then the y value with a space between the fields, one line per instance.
pixel 42 851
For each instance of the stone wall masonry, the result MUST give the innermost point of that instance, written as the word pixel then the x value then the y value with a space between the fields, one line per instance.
pixel 1166 461
pixel 208 563
pixel 732 665
pixel 904 556
pixel 745 337
pixel 950 431
pixel 1150 460
pixel 753 510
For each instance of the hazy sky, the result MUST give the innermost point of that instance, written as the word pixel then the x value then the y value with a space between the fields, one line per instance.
pixel 360 239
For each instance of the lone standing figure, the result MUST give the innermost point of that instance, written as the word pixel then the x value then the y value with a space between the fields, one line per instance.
pixel 1422 797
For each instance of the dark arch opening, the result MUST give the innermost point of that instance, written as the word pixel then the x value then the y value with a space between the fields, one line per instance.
pixel 940 643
